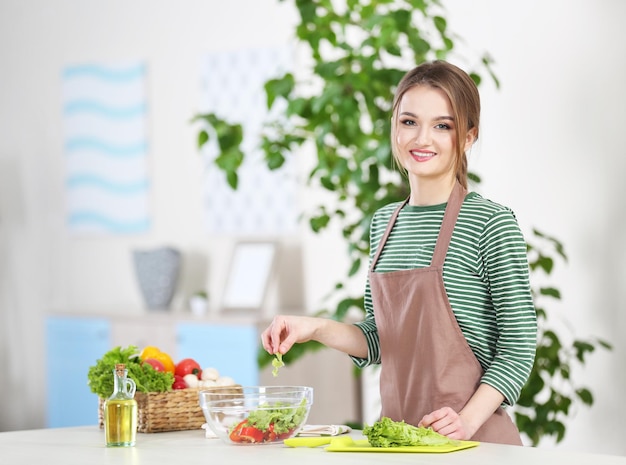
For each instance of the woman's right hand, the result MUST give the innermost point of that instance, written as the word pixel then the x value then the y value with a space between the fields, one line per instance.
pixel 284 331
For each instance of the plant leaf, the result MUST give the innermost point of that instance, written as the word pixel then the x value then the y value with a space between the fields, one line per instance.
pixel 585 396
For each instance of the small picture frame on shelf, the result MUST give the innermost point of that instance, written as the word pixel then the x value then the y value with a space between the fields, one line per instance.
pixel 251 268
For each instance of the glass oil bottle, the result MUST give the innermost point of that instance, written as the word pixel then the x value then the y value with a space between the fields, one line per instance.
pixel 120 411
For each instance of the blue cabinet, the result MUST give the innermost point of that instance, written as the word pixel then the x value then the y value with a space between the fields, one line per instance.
pixel 231 349
pixel 72 346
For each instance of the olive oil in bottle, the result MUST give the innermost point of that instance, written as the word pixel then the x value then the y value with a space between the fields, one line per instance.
pixel 120 411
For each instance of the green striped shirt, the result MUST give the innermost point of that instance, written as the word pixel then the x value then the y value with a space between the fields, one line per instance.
pixel 486 277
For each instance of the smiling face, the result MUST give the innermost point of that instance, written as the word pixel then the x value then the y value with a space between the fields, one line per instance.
pixel 425 136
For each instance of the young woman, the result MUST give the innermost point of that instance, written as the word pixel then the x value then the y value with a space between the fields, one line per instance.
pixel 449 311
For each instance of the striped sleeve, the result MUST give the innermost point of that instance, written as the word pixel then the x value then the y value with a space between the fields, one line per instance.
pixel 505 262
pixel 368 326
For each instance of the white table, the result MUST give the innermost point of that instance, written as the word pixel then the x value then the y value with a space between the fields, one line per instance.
pixel 85 446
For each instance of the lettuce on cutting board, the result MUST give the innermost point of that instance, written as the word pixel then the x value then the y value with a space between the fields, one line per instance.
pixel 388 433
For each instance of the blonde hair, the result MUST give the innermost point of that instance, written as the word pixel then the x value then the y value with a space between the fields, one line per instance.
pixel 464 100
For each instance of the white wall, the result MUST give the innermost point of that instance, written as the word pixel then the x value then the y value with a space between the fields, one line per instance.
pixel 551 149
pixel 548 148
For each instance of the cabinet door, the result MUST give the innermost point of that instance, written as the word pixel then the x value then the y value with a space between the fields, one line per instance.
pixel 231 349
pixel 72 346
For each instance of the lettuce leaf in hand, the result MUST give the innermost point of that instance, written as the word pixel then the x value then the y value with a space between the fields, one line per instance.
pixel 101 380
pixel 388 433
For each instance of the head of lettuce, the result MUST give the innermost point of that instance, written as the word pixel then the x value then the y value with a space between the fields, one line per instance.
pixel 388 433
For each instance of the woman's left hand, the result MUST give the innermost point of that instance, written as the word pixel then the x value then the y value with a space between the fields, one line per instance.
pixel 447 422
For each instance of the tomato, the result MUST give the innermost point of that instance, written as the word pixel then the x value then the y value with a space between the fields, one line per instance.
pixel 188 366
pixel 156 364
pixel 179 383
pixel 285 435
pixel 270 435
pixel 234 434
pixel 243 432
pixel 251 434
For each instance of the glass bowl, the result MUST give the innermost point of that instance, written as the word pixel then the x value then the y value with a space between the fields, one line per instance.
pixel 256 414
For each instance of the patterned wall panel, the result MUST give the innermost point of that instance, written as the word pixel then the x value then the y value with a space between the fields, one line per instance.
pixel 106 147
pixel 265 202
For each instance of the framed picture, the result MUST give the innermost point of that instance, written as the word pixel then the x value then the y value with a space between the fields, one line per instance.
pixel 251 267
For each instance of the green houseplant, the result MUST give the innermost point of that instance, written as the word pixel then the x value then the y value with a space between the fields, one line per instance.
pixel 359 52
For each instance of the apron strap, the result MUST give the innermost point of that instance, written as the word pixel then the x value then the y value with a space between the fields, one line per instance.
pixel 447 225
pixel 383 240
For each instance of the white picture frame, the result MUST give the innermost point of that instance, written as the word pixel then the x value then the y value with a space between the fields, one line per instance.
pixel 251 268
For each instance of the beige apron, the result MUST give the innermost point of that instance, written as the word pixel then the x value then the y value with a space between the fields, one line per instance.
pixel 426 362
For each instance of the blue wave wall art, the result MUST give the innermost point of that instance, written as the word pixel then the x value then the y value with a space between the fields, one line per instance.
pixel 106 148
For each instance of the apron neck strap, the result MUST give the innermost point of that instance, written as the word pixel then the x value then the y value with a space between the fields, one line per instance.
pixel 447 225
pixel 383 240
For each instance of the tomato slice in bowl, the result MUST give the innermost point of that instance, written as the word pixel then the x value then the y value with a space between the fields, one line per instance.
pixel 243 432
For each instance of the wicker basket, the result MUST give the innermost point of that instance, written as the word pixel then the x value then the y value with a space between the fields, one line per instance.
pixel 177 410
